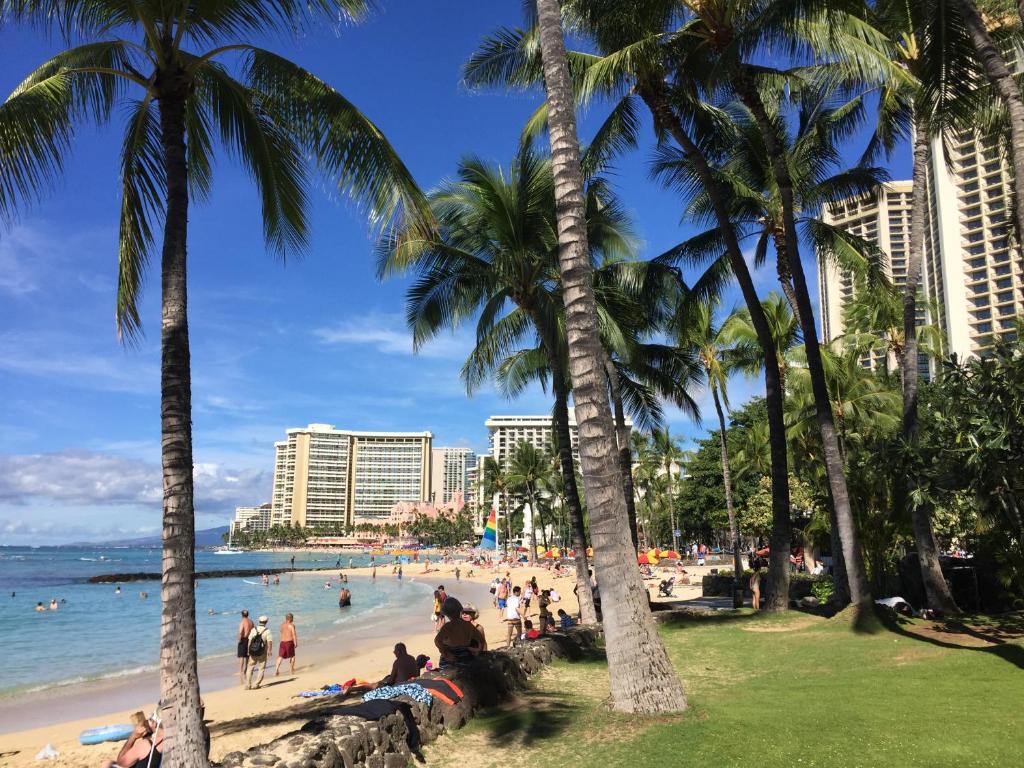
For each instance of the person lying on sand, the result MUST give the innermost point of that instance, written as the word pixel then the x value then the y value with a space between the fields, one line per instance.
pixel 146 739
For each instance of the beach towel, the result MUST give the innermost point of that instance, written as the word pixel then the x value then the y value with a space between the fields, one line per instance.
pixel 335 689
pixel 442 688
pixel 414 691
pixel 375 710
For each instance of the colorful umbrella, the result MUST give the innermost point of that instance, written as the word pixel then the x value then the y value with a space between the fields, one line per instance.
pixel 642 559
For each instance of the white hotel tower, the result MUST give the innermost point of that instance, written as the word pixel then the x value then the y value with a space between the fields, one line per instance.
pixel 973 271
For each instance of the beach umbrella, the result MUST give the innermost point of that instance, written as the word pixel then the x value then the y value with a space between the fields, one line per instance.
pixel 540 549
pixel 657 552
pixel 549 555
pixel 555 552
pixel 642 559
pixel 652 557
pixel 670 554
pixel 590 551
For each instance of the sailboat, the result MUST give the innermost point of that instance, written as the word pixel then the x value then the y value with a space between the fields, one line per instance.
pixel 229 549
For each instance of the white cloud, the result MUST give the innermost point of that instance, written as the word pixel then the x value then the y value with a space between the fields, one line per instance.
pixel 55 356
pixel 389 335
pixel 83 478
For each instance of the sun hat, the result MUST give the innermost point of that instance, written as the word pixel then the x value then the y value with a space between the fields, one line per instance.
pixel 471 610
pixel 263 619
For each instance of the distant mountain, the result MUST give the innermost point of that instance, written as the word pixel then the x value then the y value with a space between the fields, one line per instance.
pixel 210 537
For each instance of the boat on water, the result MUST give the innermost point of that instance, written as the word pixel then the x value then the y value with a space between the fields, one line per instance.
pixel 229 549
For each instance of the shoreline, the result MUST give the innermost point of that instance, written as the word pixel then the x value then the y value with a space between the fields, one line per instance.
pixel 239 718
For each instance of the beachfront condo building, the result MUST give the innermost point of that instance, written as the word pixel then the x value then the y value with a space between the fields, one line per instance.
pixel 328 476
pixel 251 518
pixel 450 470
pixel 972 274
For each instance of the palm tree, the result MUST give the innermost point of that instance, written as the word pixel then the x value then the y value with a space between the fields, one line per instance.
pixel 964 19
pixel 636 64
pixel 695 327
pixel 642 677
pixel 670 454
pixel 529 472
pixel 495 253
pixel 496 483
pixel 271 114
pixel 936 96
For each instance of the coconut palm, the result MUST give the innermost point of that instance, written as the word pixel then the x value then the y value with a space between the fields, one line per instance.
pixel 694 326
pixel 529 472
pixel 636 67
pixel 496 483
pixel 494 253
pixel 642 677
pixel 670 455
pixel 940 93
pixel 162 67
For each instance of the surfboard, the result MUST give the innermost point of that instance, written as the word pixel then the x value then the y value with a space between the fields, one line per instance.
pixel 106 733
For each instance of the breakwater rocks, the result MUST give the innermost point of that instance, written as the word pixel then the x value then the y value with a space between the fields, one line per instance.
pixel 115 578
pixel 334 739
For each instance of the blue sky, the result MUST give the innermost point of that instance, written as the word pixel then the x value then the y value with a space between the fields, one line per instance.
pixel 274 345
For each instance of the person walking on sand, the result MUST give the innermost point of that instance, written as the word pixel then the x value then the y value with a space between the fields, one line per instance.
pixel 755 589
pixel 513 619
pixel 289 642
pixel 244 628
pixel 261 646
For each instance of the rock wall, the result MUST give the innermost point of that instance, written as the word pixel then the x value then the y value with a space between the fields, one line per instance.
pixel 335 740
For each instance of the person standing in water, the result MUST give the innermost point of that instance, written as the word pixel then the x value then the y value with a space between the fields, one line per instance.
pixel 244 628
pixel 289 642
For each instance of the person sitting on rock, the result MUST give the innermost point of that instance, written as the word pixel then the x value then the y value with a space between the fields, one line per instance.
pixel 457 640
pixel 531 632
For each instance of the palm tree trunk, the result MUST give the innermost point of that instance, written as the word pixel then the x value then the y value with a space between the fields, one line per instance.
pixel 625 452
pixel 642 677
pixel 777 587
pixel 179 676
pixel 533 531
pixel 1006 87
pixel 560 423
pixel 727 480
pixel 937 591
pixel 860 590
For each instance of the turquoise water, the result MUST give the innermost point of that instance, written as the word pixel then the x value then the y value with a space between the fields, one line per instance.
pixel 97 633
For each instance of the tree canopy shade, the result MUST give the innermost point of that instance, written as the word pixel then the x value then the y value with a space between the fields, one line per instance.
pixel 162 66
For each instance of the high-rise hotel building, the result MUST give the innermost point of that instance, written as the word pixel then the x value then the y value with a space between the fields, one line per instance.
pixel 972 272
pixel 450 474
pixel 506 432
pixel 324 475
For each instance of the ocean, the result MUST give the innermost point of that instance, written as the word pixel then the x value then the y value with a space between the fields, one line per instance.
pixel 97 633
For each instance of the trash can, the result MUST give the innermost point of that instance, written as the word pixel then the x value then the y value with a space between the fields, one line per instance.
pixel 737 594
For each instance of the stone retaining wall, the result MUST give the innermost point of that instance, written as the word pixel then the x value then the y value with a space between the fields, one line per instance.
pixel 333 739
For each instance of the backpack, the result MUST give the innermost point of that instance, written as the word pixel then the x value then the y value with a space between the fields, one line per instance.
pixel 257 646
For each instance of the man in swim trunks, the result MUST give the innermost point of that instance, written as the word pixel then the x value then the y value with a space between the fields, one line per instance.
pixel 289 642
pixel 501 596
pixel 244 628
pixel 258 661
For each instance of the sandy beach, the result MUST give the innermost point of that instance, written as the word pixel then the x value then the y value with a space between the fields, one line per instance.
pixel 239 718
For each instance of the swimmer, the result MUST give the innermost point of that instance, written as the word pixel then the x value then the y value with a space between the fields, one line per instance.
pixel 212 612
pixel 40 608
pixel 117 590
pixel 53 604
pixel 143 595
pixel 327 585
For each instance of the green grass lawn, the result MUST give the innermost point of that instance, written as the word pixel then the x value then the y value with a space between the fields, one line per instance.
pixel 766 691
